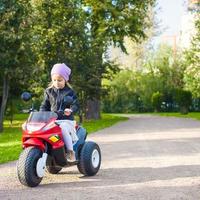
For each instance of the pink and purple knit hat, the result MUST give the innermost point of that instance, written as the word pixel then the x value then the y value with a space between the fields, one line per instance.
pixel 62 70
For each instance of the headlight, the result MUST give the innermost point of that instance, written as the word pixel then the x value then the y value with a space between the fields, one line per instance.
pixel 54 138
pixel 34 126
pixel 24 126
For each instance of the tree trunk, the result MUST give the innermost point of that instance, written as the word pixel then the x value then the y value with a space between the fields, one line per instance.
pixel 92 109
pixel 184 110
pixel 4 100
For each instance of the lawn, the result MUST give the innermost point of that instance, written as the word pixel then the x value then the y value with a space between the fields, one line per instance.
pixel 10 139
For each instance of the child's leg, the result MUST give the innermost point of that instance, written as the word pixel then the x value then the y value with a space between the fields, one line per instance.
pixel 72 128
pixel 66 130
pixel 66 136
pixel 68 142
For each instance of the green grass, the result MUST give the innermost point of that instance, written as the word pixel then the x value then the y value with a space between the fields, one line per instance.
pixel 194 115
pixel 10 139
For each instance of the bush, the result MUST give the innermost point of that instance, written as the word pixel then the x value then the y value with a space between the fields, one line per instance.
pixel 156 101
pixel 184 100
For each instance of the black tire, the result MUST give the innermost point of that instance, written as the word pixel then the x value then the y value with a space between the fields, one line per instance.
pixel 87 164
pixel 26 167
pixel 51 166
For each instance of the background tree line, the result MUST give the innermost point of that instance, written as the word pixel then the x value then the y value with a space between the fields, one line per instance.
pixel 35 34
pixel 166 81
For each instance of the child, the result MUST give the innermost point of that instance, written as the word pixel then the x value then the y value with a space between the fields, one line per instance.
pixel 54 101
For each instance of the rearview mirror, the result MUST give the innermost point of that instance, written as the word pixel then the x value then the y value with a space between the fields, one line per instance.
pixel 26 96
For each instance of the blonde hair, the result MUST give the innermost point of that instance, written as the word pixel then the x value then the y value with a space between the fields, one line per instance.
pixel 50 85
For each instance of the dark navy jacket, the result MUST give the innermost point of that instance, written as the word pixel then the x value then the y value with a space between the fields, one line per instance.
pixel 54 101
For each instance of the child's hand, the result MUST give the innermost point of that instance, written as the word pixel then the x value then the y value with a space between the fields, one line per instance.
pixel 67 111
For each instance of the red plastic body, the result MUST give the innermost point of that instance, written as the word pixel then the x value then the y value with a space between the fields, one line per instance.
pixel 39 137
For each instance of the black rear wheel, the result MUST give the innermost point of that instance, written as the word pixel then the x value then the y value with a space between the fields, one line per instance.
pixel 51 166
pixel 26 167
pixel 90 159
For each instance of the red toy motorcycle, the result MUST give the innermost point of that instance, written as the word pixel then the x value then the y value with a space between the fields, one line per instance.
pixel 43 147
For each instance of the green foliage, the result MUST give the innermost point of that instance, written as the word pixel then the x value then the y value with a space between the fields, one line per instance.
pixel 14 39
pixel 11 110
pixel 184 100
pixel 78 33
pixel 192 57
pixel 157 99
pixel 127 93
pixel 168 68
pixel 111 21
pixel 15 51
pixel 35 34
pixel 131 91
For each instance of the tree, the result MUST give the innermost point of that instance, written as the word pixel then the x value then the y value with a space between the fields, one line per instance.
pixel 163 64
pixel 156 100
pixel 79 32
pixel 160 73
pixel 111 22
pixel 14 52
pixel 192 57
pixel 61 34
pixel 184 100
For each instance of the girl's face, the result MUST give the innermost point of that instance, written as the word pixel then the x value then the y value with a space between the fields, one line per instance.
pixel 58 81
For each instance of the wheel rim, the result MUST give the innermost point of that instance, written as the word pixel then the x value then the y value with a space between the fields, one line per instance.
pixel 95 158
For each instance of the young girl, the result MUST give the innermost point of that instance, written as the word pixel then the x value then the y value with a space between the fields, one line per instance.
pixel 54 101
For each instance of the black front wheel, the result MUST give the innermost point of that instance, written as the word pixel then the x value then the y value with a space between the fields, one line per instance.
pixel 89 159
pixel 26 167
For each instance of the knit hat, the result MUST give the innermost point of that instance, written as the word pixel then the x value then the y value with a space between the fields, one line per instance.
pixel 61 69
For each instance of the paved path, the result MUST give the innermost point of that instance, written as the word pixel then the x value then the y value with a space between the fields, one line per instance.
pixel 144 158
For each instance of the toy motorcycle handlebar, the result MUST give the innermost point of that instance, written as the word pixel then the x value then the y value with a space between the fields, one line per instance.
pixel 68 100
pixel 66 112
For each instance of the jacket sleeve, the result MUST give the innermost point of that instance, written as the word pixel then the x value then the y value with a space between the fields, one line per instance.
pixel 45 106
pixel 75 104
